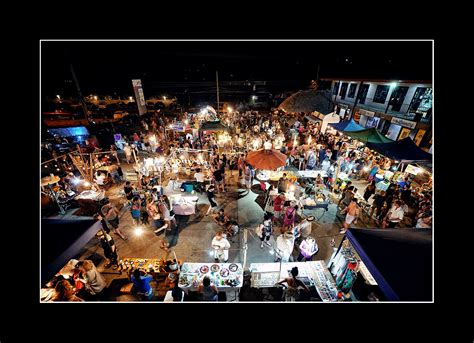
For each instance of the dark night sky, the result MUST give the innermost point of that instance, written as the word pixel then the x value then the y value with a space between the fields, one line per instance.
pixel 108 67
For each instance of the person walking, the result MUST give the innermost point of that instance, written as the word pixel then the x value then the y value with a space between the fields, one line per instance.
pixel 352 213
pixel 212 199
pixel 265 230
pixel 110 214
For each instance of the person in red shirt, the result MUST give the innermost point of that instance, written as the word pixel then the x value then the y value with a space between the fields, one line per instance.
pixel 278 205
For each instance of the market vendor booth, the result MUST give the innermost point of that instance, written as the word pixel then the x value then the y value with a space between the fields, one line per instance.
pixel 314 275
pixel 384 265
pixel 227 277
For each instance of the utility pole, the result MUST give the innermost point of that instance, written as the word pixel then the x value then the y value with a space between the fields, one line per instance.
pixel 81 98
pixel 217 84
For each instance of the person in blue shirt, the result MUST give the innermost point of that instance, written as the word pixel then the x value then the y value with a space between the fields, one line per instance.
pixel 142 284
pixel 403 183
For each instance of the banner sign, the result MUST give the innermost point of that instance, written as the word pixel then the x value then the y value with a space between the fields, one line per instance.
pixel 407 123
pixel 139 96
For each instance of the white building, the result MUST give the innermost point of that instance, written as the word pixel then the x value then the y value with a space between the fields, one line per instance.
pixel 397 108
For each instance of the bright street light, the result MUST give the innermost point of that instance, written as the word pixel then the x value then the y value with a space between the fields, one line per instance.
pixel 229 109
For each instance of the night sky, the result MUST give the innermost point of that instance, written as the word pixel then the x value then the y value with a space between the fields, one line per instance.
pixel 108 67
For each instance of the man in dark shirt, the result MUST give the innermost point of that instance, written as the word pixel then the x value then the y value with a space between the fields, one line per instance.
pixel 219 177
pixel 128 188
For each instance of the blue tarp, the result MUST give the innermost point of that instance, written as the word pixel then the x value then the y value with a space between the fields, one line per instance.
pixel 62 240
pixel 403 150
pixel 400 260
pixel 350 125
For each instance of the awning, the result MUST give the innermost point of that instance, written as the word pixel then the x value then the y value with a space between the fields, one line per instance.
pixel 213 126
pixel 371 135
pixel 400 260
pixel 404 150
pixel 350 125
pixel 62 240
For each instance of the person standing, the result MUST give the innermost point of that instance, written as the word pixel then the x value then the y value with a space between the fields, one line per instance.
pixel 221 247
pixel 284 247
pixel 292 293
pixel 352 213
pixel 248 177
pixel 265 230
pixel 212 199
pixel 308 248
pixel 394 216
pixel 209 291
pixel 107 243
pixel 136 210
pixel 369 190
pixel 290 217
pixel 278 205
pixel 111 218
pixel 128 152
pixel 219 178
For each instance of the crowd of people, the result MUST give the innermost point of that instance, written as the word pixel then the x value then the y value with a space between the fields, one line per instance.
pixel 212 161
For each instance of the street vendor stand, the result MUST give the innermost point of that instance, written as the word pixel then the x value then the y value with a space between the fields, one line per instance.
pixel 227 277
pixel 315 275
pixel 48 181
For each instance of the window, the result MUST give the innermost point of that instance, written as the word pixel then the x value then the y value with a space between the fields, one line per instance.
pixel 343 91
pixel 397 97
pixel 381 94
pixel 336 88
pixel 422 102
pixel 362 94
pixel 352 90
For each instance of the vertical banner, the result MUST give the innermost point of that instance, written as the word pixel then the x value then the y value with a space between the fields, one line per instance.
pixel 139 96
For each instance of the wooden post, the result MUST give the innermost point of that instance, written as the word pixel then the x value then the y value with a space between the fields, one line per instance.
pixel 91 167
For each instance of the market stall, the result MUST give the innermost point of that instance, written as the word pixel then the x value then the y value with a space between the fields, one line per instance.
pixel 347 126
pixel 396 263
pixel 314 274
pixel 62 240
pixel 227 277
pixel 371 135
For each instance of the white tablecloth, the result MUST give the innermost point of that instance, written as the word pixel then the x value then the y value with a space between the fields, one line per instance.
pixel 90 195
pixel 184 209
pixel 191 275
pixel 311 173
